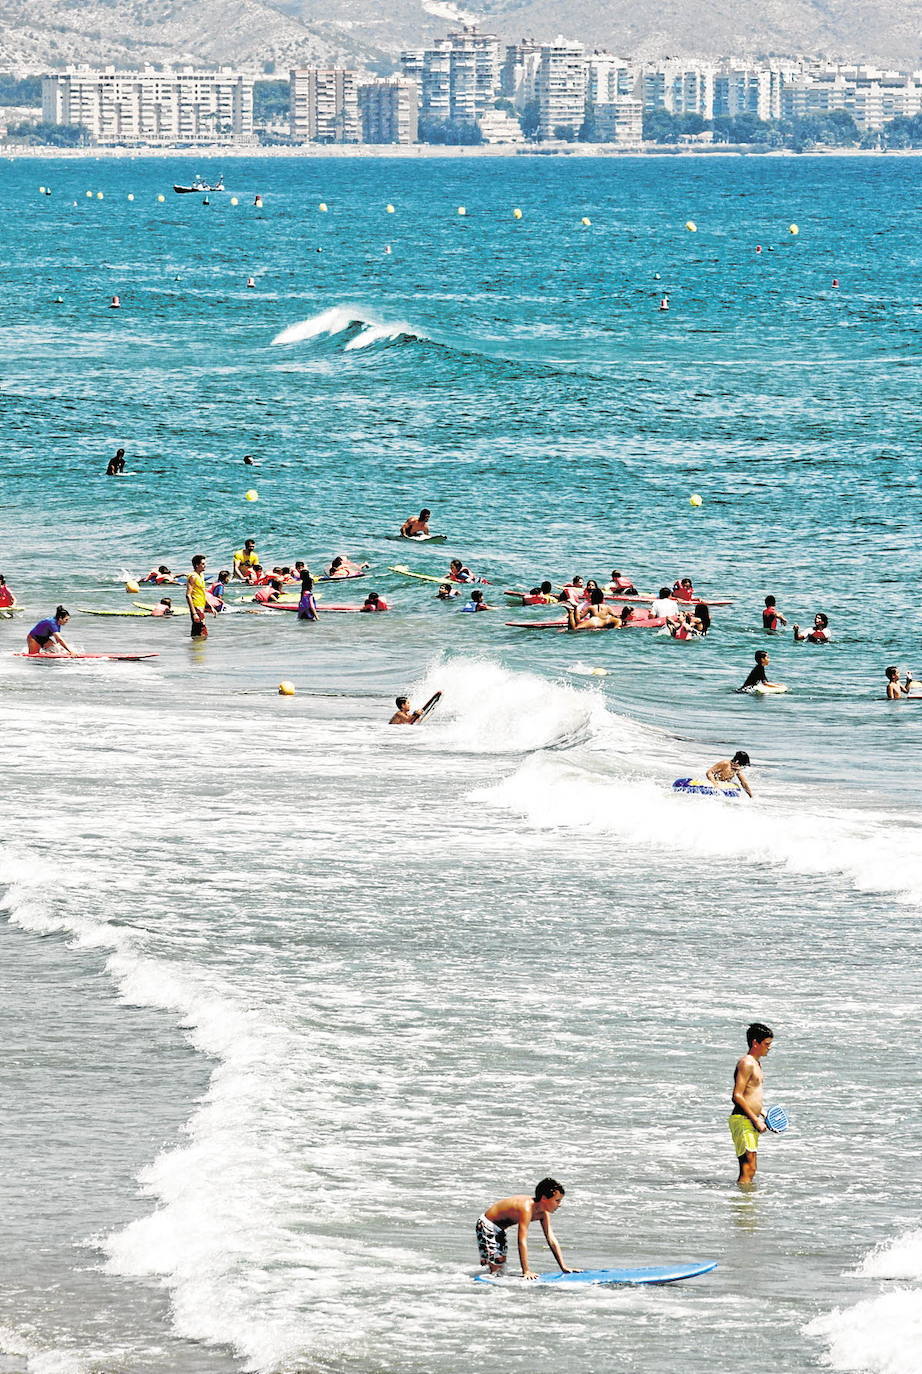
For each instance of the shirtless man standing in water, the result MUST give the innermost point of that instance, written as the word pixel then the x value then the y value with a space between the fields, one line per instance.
pixel 747 1120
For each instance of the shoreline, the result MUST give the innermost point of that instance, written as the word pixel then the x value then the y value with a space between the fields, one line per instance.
pixel 436 150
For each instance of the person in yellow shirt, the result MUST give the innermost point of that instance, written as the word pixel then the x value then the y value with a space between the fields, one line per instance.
pixel 196 599
pixel 245 561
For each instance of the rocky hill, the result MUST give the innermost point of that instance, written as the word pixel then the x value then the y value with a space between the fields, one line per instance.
pixel 368 33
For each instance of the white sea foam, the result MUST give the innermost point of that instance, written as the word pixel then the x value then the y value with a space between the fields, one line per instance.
pixel 879 1335
pixel 340 319
pixel 896 1259
pixel 38 1361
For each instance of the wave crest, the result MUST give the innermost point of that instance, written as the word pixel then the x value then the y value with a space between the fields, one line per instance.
pixel 362 328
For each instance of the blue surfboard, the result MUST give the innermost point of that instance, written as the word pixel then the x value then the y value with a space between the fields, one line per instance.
pixel 657 1273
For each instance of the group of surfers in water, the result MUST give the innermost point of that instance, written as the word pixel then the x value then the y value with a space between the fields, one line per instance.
pixel 587 604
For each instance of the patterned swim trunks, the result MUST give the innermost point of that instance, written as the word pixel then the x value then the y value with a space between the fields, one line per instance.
pixel 491 1241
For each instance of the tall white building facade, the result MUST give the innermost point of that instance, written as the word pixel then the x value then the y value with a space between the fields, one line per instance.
pixel 150 107
pixel 561 88
pixel 458 76
pixel 519 74
pixel 324 105
pixel 389 111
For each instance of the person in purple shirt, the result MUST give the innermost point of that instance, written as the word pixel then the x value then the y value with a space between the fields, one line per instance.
pixel 48 632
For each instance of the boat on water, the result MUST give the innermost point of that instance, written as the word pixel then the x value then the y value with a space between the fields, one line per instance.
pixel 198 186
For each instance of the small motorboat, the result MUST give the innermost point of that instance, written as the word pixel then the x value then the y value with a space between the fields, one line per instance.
pixel 198 186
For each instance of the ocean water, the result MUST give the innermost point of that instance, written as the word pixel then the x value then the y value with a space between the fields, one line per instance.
pixel 289 996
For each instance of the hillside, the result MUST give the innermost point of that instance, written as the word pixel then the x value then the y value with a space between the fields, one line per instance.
pixel 369 33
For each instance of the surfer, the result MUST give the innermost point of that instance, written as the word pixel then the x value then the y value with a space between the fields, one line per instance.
pixel 771 616
pixel 48 632
pixel 757 676
pixel 747 1120
pixel 818 635
pixel 7 599
pixel 404 716
pixel 245 560
pixel 896 690
pixel 415 525
pixel 342 566
pixel 196 597
pixel 520 1211
pixel 116 465
pixel 730 770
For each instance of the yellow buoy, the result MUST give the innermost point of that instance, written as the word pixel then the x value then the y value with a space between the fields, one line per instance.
pixel 130 196
pixel 251 495
pixel 462 210
pixel 389 209
pixel 586 220
pixel 598 672
pixel 89 195
pixel 323 207
pixel 161 199
pixel 517 213
pixel 234 200
pixel 286 689
pixel 132 588
pixel 99 195
pixel 691 226
pixel 695 500
pixel 793 229
pixel 41 190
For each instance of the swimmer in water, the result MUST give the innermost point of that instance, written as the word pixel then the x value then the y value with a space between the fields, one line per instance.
pixel 403 715
pixel 730 770
pixel 819 633
pixel 374 602
pixel 771 616
pixel 476 602
pixel 48 632
pixel 445 592
pixel 896 690
pixel 7 599
pixel 415 525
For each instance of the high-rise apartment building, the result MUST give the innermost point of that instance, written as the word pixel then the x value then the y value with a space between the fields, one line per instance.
pixel 561 88
pixel 150 107
pixel 679 89
pixel 458 76
pixel 389 111
pixel 608 78
pixel 324 105
pixel 519 72
pixel 617 121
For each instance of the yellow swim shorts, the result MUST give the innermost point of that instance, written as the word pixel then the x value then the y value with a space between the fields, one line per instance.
pixel 743 1134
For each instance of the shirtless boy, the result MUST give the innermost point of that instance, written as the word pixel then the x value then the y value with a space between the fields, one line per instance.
pixel 416 525
pixel 520 1211
pixel 747 1120
pixel 731 770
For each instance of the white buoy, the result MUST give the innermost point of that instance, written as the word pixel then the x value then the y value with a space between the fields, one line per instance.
pixel 517 213
pixel 323 207
pixel 130 196
pixel 99 195
pixel 462 210
pixel 161 199
pixel 234 200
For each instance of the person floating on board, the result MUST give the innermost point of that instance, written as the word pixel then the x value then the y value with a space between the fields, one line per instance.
pixel 540 596
pixel 757 676
pixel 343 566
pixel 196 598
pixel 747 1120
pixel 621 585
pixel 593 616
pixel 48 632
pixel 415 525
pixel 245 560
pixel 771 616
pixel 818 635
pixel 164 607
pixel 404 716
pixel 116 465
pixel 457 572
pixel 7 599
pixel 896 690
pixel 520 1211
pixel 730 770
pixel 161 574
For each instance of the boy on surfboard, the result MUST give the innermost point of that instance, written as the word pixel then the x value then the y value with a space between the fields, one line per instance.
pixel 415 525
pixel 520 1211
pixel 747 1120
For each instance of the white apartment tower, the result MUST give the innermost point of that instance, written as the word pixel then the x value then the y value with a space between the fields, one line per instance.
pixel 458 76
pixel 518 78
pixel 153 108
pixel 561 88
pixel 389 111
pixel 324 105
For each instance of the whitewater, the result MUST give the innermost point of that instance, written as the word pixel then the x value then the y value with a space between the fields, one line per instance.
pixel 291 995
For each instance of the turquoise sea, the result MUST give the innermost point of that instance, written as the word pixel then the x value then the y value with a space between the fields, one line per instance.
pixel 288 996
